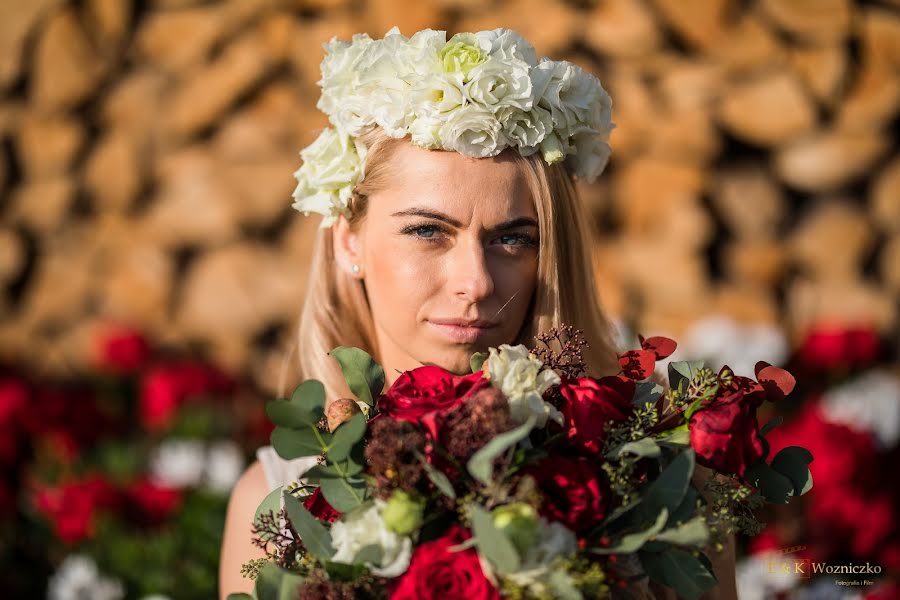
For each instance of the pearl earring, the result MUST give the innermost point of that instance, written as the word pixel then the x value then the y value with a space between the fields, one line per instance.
pixel 355 269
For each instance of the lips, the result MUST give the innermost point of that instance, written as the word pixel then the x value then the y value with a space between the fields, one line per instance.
pixel 461 333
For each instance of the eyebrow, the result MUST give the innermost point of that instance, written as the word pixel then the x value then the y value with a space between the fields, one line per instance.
pixel 424 212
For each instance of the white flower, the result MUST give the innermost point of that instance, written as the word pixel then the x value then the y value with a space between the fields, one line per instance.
pixel 366 527
pixel 870 403
pixel 508 45
pixel 575 99
pixel 556 541
pixel 79 579
pixel 523 380
pixel 760 577
pixel 590 155
pixel 339 71
pixel 525 129
pixel 721 340
pixel 224 465
pixel 474 132
pixel 177 463
pixel 332 165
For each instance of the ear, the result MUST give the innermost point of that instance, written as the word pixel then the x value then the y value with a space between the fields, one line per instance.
pixel 348 247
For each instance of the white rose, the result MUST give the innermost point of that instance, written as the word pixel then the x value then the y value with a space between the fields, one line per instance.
pixel 339 71
pixel 473 131
pixel 497 83
pixel 332 165
pixel 556 541
pixel 523 380
pixel 590 156
pixel 508 45
pixel 366 527
pixel 575 99
pixel 525 129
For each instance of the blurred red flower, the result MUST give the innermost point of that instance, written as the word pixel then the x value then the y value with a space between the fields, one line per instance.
pixel 836 348
pixel 71 506
pixel 166 387
pixel 121 351
pixel 154 502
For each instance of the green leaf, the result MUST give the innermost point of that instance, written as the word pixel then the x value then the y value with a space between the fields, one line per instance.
pixel 680 570
pixel 294 443
pixel 345 437
pixel 491 542
pixel 772 424
pixel 646 392
pixel 792 463
pixel 285 413
pixel 692 533
pixel 314 535
pixel 272 502
pixel 481 464
pixel 476 362
pixel 344 494
pixel 440 481
pixel 772 485
pixel 632 542
pixel 644 447
pixel 563 586
pixel 364 376
pixel 309 398
pixel 370 554
pixel 683 371
pixel 677 437
pixel 668 490
pixel 686 509
pixel 240 596
pixel 343 572
pixel 275 583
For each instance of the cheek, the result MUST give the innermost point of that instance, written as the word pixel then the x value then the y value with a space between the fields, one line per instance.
pixel 400 278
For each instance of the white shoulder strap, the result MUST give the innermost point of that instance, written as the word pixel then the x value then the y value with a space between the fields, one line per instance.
pixel 280 471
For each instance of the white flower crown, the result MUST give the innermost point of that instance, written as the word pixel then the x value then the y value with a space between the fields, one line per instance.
pixel 476 94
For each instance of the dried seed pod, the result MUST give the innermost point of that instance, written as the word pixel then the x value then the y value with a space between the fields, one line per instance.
pixel 340 411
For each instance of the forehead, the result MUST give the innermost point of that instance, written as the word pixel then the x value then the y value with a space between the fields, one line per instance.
pixel 454 182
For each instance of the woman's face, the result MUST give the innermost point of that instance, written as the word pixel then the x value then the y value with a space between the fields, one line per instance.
pixel 449 238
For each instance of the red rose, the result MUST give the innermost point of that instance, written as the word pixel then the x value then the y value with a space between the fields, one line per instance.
pixel 420 394
pixel 572 492
pixel 316 504
pixel 71 506
pixel 164 388
pixel 725 432
pixel 122 351
pixel 436 572
pixel 154 502
pixel 827 349
pixel 589 404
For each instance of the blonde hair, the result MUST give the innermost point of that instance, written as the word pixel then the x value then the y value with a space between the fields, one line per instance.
pixel 336 310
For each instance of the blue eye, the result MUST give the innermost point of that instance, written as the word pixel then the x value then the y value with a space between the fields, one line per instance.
pixel 426 233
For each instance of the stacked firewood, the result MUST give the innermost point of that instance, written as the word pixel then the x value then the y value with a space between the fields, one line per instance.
pixel 148 151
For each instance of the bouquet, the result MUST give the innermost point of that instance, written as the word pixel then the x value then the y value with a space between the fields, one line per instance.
pixel 523 479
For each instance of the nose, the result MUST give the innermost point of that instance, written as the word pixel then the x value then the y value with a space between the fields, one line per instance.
pixel 469 271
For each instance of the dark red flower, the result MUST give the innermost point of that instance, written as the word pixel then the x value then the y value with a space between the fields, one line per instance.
pixel 420 394
pixel 831 348
pixel 436 572
pixel 71 506
pixel 573 493
pixel 154 502
pixel 589 404
pixel 725 432
pixel 122 351
pixel 320 508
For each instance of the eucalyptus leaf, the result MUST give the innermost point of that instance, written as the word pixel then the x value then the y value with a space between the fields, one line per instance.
pixel 632 542
pixel 345 437
pixel 686 509
pixel 679 437
pixel 492 543
pixel 480 466
pixel 344 572
pixel 440 481
pixel 370 554
pixel 668 490
pixel 240 596
pixel 294 443
pixel 691 533
pixel 679 570
pixel 309 397
pixel 272 502
pixel 275 583
pixel 772 485
pixel 344 494
pixel 315 536
pixel 792 463
pixel 285 413
pixel 644 447
pixel 683 371
pixel 364 376
pixel 563 586
pixel 646 392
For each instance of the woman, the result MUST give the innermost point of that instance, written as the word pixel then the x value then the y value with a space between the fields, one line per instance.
pixel 446 248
